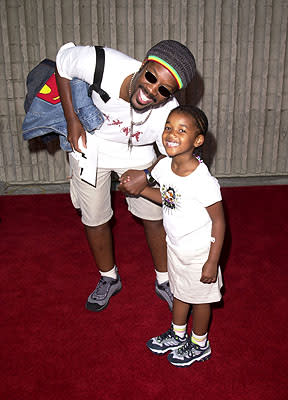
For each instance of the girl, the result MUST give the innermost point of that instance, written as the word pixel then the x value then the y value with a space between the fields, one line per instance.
pixel 194 223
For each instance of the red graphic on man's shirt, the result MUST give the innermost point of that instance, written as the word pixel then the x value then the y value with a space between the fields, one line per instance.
pixel 126 129
pixel 49 91
pixel 137 134
pixel 116 122
pixel 106 116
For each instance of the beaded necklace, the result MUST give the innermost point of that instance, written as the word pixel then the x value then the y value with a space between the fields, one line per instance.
pixel 132 123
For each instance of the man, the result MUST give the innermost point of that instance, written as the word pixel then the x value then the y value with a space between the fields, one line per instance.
pixel 141 97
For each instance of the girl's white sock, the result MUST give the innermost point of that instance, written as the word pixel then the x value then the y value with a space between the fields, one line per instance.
pixel 180 330
pixel 200 340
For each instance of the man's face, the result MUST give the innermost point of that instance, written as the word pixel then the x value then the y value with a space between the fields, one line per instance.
pixel 152 85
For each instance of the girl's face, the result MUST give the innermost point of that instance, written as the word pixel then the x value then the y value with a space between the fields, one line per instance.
pixel 181 135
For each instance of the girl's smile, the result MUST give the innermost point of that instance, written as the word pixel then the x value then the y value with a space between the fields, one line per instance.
pixel 172 144
pixel 181 135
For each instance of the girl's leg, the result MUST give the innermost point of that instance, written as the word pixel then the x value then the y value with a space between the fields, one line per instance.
pixel 180 315
pixel 201 319
pixel 180 312
pixel 198 348
pixel 176 336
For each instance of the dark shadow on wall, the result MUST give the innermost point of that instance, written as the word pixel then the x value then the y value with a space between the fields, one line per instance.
pixel 192 95
pixel 39 143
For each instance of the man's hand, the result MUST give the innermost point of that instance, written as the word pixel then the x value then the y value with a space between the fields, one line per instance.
pixel 75 131
pixel 133 182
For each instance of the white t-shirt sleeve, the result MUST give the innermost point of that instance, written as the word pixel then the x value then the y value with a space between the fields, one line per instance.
pixel 210 191
pixel 157 171
pixel 72 62
pixel 80 61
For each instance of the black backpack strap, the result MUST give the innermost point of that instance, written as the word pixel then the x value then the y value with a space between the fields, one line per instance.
pixel 98 74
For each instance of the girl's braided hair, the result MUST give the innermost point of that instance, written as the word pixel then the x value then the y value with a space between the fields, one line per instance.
pixel 198 116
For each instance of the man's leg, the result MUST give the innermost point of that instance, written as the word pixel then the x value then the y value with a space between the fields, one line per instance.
pixel 101 245
pixel 156 239
pixel 151 215
pixel 155 236
pixel 96 211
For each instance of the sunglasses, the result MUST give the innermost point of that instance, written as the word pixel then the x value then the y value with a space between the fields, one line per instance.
pixel 161 89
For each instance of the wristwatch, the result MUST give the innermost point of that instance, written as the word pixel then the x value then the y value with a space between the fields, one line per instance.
pixel 151 181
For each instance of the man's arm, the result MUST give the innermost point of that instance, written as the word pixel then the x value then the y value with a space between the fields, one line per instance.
pixel 134 181
pixel 74 127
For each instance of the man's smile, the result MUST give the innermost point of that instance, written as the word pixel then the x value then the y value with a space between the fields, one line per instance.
pixel 143 98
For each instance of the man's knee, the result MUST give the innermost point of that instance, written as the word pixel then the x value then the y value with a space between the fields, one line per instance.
pixel 98 228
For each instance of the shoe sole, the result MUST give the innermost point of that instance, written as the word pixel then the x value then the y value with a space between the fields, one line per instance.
pixel 92 306
pixel 159 352
pixel 188 363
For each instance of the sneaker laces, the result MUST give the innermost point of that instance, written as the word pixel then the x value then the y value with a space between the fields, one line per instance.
pixel 165 335
pixel 190 348
pixel 101 287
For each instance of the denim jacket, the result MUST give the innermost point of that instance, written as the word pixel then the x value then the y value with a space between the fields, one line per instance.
pixel 45 116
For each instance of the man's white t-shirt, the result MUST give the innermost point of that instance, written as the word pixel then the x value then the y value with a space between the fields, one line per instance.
pixel 111 140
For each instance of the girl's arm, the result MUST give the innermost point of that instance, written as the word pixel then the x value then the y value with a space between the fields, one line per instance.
pixel 152 193
pixel 210 268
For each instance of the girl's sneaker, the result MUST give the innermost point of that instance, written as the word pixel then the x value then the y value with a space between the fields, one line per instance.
pixel 165 342
pixel 189 353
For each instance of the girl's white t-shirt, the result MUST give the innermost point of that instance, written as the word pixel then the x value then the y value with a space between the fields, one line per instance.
pixel 184 201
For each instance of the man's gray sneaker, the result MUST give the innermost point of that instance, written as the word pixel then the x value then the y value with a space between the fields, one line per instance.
pixel 164 292
pixel 106 287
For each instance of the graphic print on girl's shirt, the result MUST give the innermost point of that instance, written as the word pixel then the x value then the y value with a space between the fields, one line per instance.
pixel 170 198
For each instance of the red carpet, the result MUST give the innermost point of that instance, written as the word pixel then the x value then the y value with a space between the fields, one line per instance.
pixel 52 348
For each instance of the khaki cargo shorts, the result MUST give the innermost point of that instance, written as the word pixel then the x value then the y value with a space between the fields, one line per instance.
pixel 95 202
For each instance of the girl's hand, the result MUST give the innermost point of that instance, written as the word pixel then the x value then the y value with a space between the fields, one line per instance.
pixel 122 183
pixel 133 182
pixel 209 272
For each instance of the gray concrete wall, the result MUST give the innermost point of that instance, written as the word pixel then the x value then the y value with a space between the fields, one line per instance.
pixel 241 51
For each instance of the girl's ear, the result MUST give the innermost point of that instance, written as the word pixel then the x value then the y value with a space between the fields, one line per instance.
pixel 199 141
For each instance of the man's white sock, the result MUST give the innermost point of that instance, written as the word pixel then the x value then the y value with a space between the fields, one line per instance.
pixel 110 274
pixel 161 277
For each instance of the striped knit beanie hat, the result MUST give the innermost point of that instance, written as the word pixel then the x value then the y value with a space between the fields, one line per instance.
pixel 177 58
